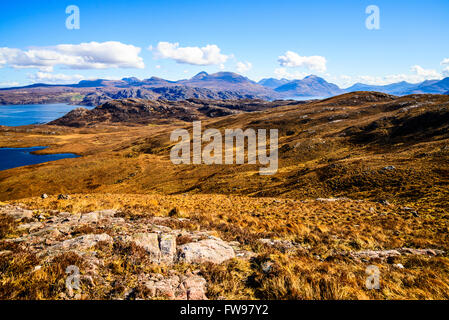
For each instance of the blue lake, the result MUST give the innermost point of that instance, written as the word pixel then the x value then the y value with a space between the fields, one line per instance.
pixel 18 157
pixel 20 115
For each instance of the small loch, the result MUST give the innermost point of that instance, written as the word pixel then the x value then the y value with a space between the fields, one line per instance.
pixel 18 157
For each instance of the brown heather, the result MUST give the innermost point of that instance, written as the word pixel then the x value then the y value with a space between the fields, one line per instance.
pixel 335 148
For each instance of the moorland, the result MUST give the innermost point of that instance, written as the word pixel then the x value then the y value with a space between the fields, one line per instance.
pixel 363 180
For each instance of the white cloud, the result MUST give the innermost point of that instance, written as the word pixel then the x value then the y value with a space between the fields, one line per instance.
pixel 158 67
pixel 8 84
pixel 92 55
pixel 425 73
pixel 55 77
pixel 446 72
pixel 208 55
pixel 418 74
pixel 292 59
pixel 243 67
pixel 283 73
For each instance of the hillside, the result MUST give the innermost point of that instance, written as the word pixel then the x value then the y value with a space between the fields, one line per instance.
pixel 140 111
pixel 272 82
pixel 89 95
pixel 332 147
pixel 363 180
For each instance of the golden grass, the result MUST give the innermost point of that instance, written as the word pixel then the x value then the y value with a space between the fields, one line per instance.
pixel 127 168
pixel 324 228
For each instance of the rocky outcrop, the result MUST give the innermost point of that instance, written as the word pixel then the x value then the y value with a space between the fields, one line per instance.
pixel 210 250
pixel 148 241
pixel 54 234
pixel 16 212
pixel 184 287
pixel 141 111
pixel 80 243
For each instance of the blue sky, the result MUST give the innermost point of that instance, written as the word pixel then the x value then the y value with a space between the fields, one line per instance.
pixel 256 38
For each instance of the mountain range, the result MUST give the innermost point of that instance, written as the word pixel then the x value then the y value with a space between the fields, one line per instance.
pixel 405 88
pixel 311 86
pixel 220 85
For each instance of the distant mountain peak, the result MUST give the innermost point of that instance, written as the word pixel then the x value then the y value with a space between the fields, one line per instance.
pixel 226 73
pixel 273 83
pixel 131 80
pixel 155 78
pixel 312 76
pixel 91 83
pixel 315 78
pixel 222 76
pixel 200 75
pixel 404 87
pixel 312 86
pixel 229 84
pixel 229 76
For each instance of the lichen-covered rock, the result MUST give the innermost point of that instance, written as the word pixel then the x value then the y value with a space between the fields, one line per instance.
pixel 375 254
pixel 16 212
pixel 56 234
pixel 148 241
pixel 83 242
pixel 174 287
pixel 209 250
pixel 49 232
pixel 195 287
pixel 91 217
pixel 32 226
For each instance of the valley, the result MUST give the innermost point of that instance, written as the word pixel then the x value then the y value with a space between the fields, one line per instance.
pixel 362 180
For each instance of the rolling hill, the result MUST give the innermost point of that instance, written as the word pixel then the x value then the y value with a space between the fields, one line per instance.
pixel 220 85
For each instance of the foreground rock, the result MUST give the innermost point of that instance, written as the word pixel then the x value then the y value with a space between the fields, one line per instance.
pixel 187 287
pixel 211 250
pixel 55 234
pixel 17 213
pixel 81 243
